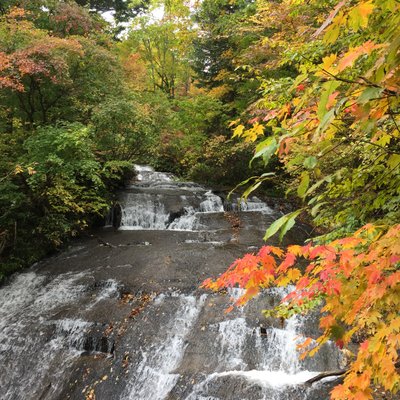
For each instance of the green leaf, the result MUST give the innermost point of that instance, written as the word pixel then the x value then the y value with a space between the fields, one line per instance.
pixel 327 89
pixel 326 120
pixel 250 189
pixel 265 149
pixel 393 161
pixel 318 184
pixel 368 94
pixel 304 183
pixel 257 179
pixel 310 162
pixel 282 223
pixel 275 226
pixel 286 227
pixel 315 209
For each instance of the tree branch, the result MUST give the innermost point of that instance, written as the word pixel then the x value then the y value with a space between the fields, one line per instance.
pixel 326 374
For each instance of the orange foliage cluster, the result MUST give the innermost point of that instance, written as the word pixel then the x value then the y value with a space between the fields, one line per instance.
pixel 44 58
pixel 356 281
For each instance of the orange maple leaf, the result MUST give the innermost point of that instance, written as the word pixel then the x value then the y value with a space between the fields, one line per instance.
pixel 355 52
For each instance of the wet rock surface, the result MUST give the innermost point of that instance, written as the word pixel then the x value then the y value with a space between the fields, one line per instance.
pixel 120 315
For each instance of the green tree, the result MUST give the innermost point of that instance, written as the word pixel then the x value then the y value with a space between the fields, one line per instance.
pixel 163 45
pixel 52 187
pixel 55 175
pixel 123 10
pixel 220 41
pixel 124 129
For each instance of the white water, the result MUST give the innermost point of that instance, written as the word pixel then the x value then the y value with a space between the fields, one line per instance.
pixel 154 377
pixel 29 308
pixel 146 173
pixel 272 379
pixel 149 211
pixel 187 222
pixel 251 204
pixel 277 360
pixel 143 211
pixel 267 363
pixel 272 367
pixel 109 290
pixel 232 335
pixel 212 203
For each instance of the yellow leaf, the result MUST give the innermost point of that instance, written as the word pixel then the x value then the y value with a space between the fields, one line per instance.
pixel 238 131
pixel 295 249
pixel 332 33
pixel 18 169
pixel 293 274
pixel 358 16
pixel 327 65
pixel 252 134
pixel 296 101
pixel 258 129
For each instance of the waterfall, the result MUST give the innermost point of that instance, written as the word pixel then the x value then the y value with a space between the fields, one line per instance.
pixel 212 203
pixel 143 211
pixel 267 365
pixel 153 376
pixel 121 314
pixel 35 345
pixel 151 203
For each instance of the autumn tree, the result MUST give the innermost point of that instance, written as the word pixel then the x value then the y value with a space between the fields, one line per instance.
pixel 44 78
pixel 162 44
pixel 55 177
pixel 216 49
pixel 333 121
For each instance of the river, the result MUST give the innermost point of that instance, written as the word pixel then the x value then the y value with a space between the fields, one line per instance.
pixel 119 315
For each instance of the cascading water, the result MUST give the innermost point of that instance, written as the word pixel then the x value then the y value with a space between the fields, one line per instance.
pixel 152 203
pixel 121 317
pixel 153 373
pixel 260 364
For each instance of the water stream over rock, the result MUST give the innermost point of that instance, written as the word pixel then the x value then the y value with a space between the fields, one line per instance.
pixel 120 315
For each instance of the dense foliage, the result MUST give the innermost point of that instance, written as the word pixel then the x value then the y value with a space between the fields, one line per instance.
pixel 60 153
pixel 329 110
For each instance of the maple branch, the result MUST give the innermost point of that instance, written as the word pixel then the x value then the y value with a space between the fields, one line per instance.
pixel 377 145
pixel 366 82
pixel 389 92
pixel 337 373
pixel 345 80
pixel 332 149
pixel 326 374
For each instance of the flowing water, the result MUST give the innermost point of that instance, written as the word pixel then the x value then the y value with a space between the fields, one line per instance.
pixel 120 315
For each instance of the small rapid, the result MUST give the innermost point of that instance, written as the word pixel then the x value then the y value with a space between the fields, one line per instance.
pixel 156 201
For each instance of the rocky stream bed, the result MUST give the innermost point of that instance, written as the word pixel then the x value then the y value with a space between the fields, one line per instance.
pixel 119 315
